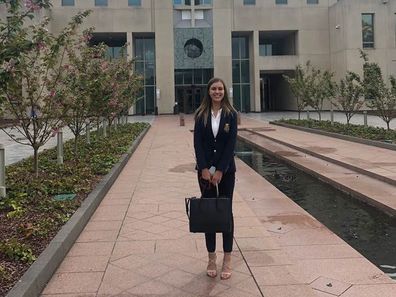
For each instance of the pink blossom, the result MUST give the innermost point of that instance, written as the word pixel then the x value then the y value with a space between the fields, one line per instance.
pixel 87 37
pixel 41 45
pixel 31 5
pixel 113 102
pixel 104 65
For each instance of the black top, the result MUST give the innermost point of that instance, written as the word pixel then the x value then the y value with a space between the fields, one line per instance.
pixel 219 151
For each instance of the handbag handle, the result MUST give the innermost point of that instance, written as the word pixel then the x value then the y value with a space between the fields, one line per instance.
pixel 187 202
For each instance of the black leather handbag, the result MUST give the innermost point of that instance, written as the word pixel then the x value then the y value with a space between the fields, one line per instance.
pixel 209 215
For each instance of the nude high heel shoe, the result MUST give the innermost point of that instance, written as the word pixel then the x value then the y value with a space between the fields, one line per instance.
pixel 226 270
pixel 211 270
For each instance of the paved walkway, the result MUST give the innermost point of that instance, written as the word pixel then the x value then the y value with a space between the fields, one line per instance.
pixel 357 119
pixel 137 243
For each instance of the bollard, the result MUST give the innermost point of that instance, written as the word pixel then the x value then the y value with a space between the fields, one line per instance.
pixel 238 118
pixel 308 117
pixel 88 132
pixel 2 172
pixel 365 117
pixel 59 158
pixel 181 119
pixel 104 127
pixel 332 115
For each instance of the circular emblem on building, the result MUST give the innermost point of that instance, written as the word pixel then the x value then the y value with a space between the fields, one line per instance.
pixel 193 48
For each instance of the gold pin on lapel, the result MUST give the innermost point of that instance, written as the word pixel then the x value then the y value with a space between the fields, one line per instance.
pixel 227 128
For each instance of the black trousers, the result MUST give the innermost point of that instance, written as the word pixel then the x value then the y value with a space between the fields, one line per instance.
pixel 226 189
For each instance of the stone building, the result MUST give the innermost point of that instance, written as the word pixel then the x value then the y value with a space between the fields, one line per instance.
pixel 179 44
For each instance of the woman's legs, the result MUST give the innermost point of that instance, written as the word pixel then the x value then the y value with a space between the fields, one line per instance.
pixel 208 190
pixel 226 189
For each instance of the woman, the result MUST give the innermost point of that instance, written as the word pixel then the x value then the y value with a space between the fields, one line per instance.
pixel 215 133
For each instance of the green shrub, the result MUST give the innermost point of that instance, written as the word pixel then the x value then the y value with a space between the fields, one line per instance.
pixel 17 251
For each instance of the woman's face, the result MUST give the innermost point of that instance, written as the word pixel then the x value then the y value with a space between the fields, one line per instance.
pixel 216 92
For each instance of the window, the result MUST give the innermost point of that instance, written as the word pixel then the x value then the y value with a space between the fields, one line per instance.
pixel 249 2
pixel 186 15
pixel 199 14
pixel 265 49
pixel 368 30
pixel 145 66
pixel 134 3
pixel 100 2
pixel 312 1
pixel 280 2
pixel 241 73
pixel 202 2
pixel 67 2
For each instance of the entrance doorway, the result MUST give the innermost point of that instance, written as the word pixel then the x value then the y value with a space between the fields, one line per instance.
pixel 265 93
pixel 189 98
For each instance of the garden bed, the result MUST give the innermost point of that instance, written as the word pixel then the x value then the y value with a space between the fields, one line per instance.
pixel 359 131
pixel 30 216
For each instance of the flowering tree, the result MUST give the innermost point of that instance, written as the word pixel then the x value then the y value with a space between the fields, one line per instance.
pixel 349 94
pixel 297 85
pixel 13 33
pixel 33 95
pixel 323 89
pixel 124 86
pixel 381 98
pixel 80 80
pixel 113 86
pixel 302 85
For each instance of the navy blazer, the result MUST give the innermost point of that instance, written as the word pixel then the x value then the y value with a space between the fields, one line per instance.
pixel 219 151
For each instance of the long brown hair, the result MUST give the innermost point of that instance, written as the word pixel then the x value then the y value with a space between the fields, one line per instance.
pixel 203 110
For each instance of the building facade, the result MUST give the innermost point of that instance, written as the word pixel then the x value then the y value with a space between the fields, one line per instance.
pixel 178 45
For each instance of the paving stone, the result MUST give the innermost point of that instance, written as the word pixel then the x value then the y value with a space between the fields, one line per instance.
pixel 278 249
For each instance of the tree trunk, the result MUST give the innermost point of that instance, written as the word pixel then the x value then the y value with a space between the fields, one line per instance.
pixel 387 125
pixel 75 146
pixel 299 114
pixel 35 161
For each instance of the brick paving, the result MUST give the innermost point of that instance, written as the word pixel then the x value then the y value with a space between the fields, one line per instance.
pixel 137 243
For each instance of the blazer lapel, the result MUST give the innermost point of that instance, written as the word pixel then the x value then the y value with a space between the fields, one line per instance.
pixel 221 125
pixel 209 125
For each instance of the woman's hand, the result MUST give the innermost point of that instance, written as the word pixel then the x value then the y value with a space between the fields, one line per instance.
pixel 217 176
pixel 205 174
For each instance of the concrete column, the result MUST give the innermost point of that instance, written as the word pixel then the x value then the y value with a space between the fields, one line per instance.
pixel 222 42
pixel 130 46
pixel 164 47
pixel 255 102
pixel 2 172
